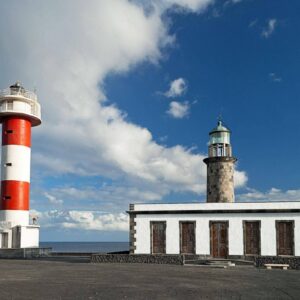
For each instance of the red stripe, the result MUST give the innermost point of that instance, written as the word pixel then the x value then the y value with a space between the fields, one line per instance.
pixel 16 131
pixel 14 195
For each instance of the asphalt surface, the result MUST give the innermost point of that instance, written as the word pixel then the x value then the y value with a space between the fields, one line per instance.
pixel 41 279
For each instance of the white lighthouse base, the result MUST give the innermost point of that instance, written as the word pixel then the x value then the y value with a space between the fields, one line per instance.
pixel 18 236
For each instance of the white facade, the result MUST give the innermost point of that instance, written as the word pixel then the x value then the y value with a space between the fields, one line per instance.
pixel 19 159
pixel 29 236
pixel 18 236
pixel 202 213
pixel 14 218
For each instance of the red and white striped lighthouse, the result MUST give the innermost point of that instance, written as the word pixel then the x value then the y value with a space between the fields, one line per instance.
pixel 19 111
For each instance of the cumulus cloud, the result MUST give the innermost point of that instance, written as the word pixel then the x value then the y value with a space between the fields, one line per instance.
pixel 179 110
pixel 269 29
pixel 189 5
pixel 116 197
pixel 84 220
pixel 53 199
pixel 274 194
pixel 177 88
pixel 67 49
pixel 111 198
pixel 89 220
pixel 231 2
pixel 240 178
pixel 82 133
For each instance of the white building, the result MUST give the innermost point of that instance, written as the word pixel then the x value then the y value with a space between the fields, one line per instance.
pixel 216 229
pixel 219 228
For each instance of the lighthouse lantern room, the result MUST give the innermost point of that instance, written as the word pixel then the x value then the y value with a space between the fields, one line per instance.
pixel 19 111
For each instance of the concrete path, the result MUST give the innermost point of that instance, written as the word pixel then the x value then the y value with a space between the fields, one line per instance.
pixel 30 279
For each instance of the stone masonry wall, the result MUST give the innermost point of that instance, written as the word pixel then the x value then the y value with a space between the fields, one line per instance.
pixel 220 184
pixel 138 258
pixel 132 230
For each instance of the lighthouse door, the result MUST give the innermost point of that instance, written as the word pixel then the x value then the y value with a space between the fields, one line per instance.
pixel 4 236
pixel 219 239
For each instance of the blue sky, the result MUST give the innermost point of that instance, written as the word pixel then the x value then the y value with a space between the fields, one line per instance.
pixel 129 91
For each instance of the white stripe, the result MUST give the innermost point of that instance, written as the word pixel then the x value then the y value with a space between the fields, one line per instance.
pixel 15 217
pixel 19 158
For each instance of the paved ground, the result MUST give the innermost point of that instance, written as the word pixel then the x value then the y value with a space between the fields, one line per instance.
pixel 26 279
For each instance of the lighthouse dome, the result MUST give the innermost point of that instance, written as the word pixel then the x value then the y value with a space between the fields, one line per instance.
pixel 220 128
pixel 220 134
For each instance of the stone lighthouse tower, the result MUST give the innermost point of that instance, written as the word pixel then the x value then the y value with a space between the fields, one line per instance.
pixel 19 111
pixel 220 166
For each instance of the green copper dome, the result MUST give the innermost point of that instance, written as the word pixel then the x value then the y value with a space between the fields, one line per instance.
pixel 220 128
pixel 219 135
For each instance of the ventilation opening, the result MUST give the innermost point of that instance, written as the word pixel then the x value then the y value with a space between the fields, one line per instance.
pixel 6 197
pixel 8 131
pixel 8 164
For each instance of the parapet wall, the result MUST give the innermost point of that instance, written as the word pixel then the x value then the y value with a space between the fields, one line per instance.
pixel 25 253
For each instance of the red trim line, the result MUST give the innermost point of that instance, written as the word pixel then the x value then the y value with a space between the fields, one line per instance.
pixel 14 195
pixel 16 131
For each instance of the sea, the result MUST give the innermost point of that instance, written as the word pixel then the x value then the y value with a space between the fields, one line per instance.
pixel 86 247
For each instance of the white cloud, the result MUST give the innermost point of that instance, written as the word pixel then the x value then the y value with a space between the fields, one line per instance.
pixel 84 220
pixel 231 2
pixel 273 194
pixel 89 220
pixel 67 49
pixel 240 178
pixel 108 197
pixel 116 197
pixel 179 110
pixel 269 29
pixel 190 5
pixel 52 199
pixel 274 77
pixel 177 88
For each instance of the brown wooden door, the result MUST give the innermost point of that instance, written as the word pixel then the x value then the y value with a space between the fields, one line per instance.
pixel 187 241
pixel 219 239
pixel 158 237
pixel 252 237
pixel 285 237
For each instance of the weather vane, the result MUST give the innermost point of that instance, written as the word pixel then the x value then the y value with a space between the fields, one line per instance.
pixel 220 118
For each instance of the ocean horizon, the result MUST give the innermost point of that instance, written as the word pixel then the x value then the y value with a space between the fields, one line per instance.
pixel 89 247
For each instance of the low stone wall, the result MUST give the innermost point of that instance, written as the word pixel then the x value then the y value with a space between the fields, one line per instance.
pixel 71 253
pixel 25 252
pixel 293 261
pixel 195 257
pixel 137 258
pixel 174 259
